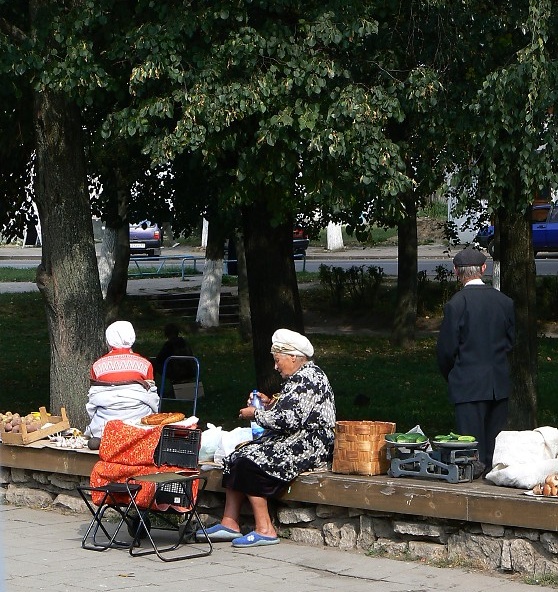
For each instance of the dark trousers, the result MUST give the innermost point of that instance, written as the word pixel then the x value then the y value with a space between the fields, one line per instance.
pixel 245 475
pixel 484 420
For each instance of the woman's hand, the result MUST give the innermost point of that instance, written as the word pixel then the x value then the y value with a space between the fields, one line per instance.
pixel 263 398
pixel 247 413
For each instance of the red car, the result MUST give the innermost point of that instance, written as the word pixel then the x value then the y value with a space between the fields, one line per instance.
pixel 300 242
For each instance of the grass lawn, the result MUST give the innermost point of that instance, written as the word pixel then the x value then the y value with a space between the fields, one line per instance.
pixel 371 379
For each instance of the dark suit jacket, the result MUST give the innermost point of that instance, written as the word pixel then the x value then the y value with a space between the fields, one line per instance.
pixel 477 333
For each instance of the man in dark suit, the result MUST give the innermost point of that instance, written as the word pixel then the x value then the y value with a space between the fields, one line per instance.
pixel 476 336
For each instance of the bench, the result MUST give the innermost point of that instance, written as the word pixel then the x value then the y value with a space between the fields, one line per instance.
pixel 475 502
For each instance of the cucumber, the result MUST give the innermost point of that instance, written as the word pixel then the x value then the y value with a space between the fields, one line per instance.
pixel 466 439
pixel 405 440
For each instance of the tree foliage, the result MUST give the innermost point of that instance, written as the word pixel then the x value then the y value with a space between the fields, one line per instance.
pixel 270 95
pixel 352 110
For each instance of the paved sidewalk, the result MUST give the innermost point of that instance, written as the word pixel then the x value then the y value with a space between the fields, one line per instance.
pixel 375 252
pixel 42 551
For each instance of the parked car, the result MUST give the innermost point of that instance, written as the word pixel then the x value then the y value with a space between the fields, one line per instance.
pixel 544 219
pixel 300 243
pixel 146 237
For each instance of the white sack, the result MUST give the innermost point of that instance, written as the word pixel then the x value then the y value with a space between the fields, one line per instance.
pixel 229 440
pixel 523 459
pixel 210 440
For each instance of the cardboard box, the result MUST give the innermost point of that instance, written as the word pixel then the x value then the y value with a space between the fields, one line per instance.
pixel 186 391
pixel 22 438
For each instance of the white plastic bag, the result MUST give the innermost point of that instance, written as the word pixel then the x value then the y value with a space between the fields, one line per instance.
pixel 229 441
pixel 210 440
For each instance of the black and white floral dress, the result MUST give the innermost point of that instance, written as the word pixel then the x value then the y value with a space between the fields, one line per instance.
pixel 299 428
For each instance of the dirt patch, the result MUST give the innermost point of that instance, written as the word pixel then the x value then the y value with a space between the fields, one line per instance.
pixel 429 231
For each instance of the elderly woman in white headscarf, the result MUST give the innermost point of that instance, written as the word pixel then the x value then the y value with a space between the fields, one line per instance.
pixel 298 436
pixel 122 385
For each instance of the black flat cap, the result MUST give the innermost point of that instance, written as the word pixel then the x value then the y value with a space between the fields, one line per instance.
pixel 469 257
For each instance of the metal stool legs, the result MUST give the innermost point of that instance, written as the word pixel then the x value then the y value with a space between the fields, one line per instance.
pixel 181 487
pixel 108 501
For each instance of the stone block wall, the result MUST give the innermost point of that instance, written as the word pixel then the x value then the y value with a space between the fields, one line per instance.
pixel 409 537
pixel 440 542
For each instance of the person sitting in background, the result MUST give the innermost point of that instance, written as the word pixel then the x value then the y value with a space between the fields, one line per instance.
pixel 122 384
pixel 298 436
pixel 177 370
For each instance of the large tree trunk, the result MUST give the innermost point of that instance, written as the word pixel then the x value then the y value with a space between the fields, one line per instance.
pixel 518 277
pixel 274 297
pixel 210 292
pixel 405 317
pixel 245 322
pixel 67 276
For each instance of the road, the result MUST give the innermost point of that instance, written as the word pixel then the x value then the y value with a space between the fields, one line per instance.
pixel 312 265
pixel 431 257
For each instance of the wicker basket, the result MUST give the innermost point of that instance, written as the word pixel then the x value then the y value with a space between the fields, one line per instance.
pixel 360 447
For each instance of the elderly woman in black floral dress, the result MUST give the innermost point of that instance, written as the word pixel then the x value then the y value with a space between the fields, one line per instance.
pixel 299 429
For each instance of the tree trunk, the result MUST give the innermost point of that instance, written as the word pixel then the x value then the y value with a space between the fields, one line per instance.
pixel 334 237
pixel 118 284
pixel 67 276
pixel 274 297
pixel 205 231
pixel 106 258
pixel 245 322
pixel 518 280
pixel 118 280
pixel 405 317
pixel 210 292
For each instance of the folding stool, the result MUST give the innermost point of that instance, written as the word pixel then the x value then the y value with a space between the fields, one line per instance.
pixel 111 500
pixel 175 489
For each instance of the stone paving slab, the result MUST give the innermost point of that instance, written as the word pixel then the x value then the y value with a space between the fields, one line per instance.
pixel 42 551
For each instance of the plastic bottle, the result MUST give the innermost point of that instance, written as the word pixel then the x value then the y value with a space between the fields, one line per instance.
pixel 257 429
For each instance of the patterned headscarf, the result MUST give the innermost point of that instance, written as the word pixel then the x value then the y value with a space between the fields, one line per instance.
pixel 285 341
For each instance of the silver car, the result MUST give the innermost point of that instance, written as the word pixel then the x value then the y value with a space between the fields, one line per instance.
pixel 145 238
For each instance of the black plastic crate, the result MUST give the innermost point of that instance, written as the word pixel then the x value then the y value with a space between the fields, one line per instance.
pixel 175 493
pixel 179 447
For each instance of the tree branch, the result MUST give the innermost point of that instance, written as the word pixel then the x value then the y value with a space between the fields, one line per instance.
pixel 15 33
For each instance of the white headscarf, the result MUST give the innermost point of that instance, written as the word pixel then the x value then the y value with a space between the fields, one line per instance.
pixel 120 335
pixel 285 341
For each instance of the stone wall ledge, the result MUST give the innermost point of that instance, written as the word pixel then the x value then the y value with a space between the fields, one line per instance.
pixel 493 527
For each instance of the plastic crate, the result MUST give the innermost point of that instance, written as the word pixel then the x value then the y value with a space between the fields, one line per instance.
pixel 179 447
pixel 173 493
